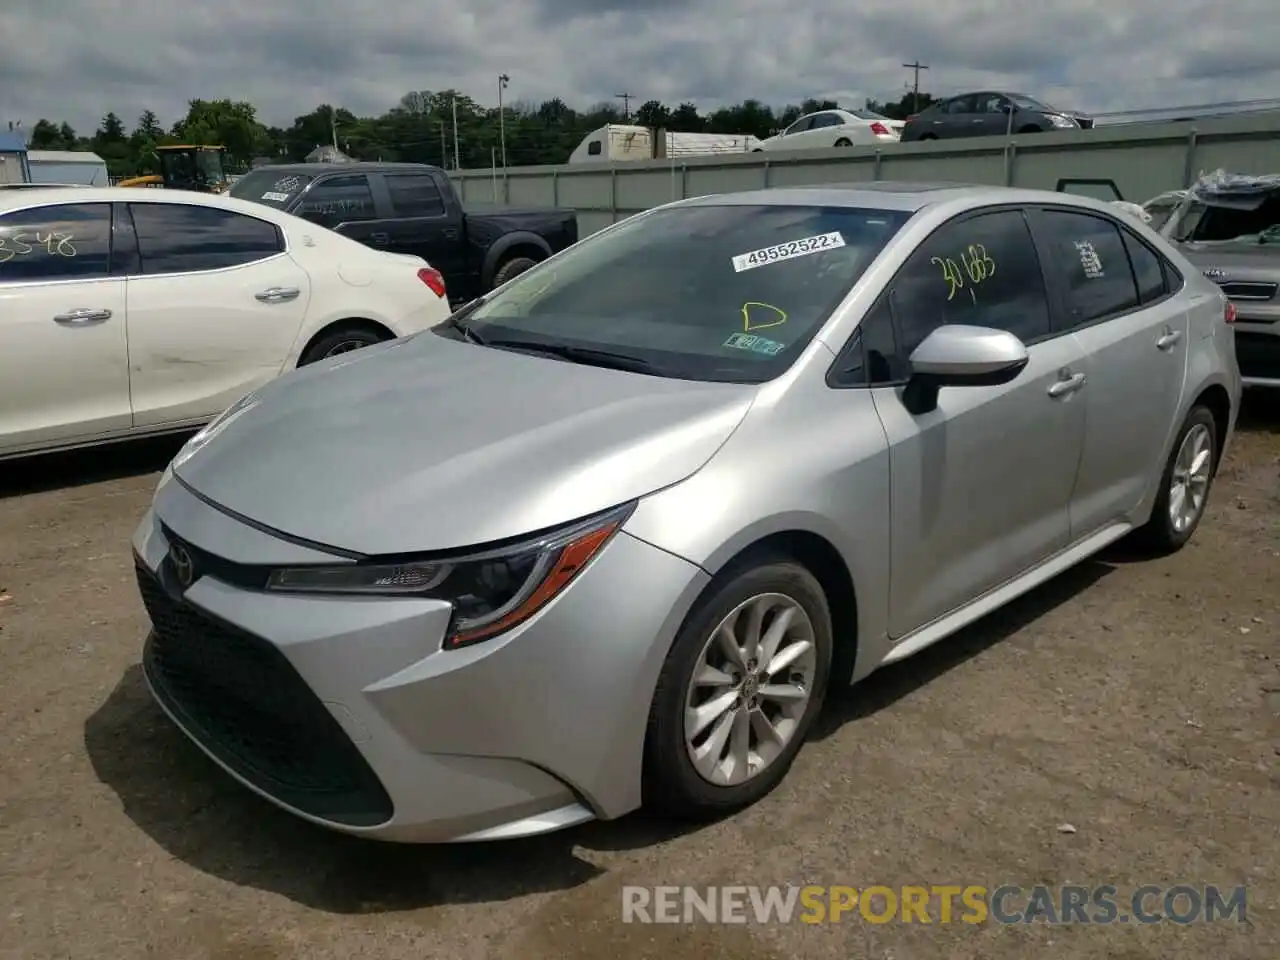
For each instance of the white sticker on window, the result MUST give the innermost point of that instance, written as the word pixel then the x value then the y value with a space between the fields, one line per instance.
pixel 1090 260
pixel 278 197
pixel 787 251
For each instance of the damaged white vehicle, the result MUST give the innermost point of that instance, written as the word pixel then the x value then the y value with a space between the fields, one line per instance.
pixel 136 312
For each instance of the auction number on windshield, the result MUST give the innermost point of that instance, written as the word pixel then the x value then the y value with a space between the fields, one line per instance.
pixel 787 251
pixel 53 244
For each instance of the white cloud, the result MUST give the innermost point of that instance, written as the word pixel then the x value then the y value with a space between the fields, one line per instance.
pixel 74 60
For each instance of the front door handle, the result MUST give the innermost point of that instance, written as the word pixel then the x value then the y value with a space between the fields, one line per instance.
pixel 82 317
pixel 381 239
pixel 1168 339
pixel 278 294
pixel 1067 383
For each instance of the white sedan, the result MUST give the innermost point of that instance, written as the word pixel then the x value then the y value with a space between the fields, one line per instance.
pixel 834 128
pixel 137 312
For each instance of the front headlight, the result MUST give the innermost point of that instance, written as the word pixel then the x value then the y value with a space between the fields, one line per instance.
pixel 491 591
pixel 1063 123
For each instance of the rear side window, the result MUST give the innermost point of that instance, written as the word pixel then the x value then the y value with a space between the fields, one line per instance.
pixel 1148 269
pixel 1089 258
pixel 69 241
pixel 339 200
pixel 414 195
pixel 594 148
pixel 181 238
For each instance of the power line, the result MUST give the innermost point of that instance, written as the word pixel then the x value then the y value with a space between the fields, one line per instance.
pixel 915 86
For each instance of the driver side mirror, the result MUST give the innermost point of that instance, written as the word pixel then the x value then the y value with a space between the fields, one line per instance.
pixel 956 355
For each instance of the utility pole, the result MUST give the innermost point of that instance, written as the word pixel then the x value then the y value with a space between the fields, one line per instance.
pixel 503 80
pixel 915 85
pixel 456 164
pixel 333 125
pixel 626 104
pixel 444 148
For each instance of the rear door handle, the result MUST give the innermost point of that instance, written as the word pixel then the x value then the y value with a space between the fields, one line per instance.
pixel 1168 339
pixel 278 294
pixel 82 318
pixel 1067 383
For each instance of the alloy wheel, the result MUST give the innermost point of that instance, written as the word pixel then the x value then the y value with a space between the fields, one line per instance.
pixel 1189 485
pixel 750 688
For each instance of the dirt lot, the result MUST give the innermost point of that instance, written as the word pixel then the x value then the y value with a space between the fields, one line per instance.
pixel 1137 700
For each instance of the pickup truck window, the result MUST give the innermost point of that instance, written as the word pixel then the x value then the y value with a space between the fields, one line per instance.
pixel 270 187
pixel 414 195
pixel 338 200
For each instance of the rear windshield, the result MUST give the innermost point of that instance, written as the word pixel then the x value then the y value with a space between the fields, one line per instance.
pixel 272 187
pixel 723 292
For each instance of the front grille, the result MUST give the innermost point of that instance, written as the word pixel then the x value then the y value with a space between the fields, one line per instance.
pixel 1251 290
pixel 1258 355
pixel 242 700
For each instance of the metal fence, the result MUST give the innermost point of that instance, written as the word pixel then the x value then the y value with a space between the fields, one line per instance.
pixel 1141 161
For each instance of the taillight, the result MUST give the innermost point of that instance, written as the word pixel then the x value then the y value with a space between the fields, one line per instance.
pixel 1229 312
pixel 434 279
pixel 879 129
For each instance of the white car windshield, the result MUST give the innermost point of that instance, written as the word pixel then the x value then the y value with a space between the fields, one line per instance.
pixel 708 292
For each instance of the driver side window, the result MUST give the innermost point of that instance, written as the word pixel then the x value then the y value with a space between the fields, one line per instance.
pixel 981 270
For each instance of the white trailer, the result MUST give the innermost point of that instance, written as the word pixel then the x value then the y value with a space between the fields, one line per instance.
pixel 621 141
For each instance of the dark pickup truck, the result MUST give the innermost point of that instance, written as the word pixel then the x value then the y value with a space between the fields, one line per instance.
pixel 412 208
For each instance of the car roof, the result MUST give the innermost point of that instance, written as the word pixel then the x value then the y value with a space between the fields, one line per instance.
pixel 905 196
pixel 21 199
pixel 355 166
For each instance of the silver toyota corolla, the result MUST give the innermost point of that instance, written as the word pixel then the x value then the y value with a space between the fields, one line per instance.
pixel 608 535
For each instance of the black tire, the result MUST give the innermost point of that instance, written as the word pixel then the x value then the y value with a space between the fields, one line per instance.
pixel 928 136
pixel 1029 128
pixel 843 142
pixel 342 340
pixel 672 785
pixel 512 268
pixel 1159 533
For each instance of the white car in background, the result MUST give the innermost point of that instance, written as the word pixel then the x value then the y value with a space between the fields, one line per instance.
pixel 834 128
pixel 136 312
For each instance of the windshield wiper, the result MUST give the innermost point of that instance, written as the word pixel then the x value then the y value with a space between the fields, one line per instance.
pixel 583 355
pixel 455 322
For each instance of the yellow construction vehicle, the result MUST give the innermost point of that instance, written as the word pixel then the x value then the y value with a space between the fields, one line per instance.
pixel 185 167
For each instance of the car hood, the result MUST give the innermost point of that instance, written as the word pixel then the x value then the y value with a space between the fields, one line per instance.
pixel 429 444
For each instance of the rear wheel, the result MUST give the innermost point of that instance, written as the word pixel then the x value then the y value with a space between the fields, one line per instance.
pixel 511 269
pixel 1184 485
pixel 739 691
pixel 843 142
pixel 342 340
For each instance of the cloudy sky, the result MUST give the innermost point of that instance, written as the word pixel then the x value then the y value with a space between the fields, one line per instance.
pixel 74 60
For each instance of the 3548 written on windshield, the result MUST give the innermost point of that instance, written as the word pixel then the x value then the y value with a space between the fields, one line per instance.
pixel 22 244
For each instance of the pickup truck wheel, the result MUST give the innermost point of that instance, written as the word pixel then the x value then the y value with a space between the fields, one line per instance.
pixel 512 268
pixel 340 341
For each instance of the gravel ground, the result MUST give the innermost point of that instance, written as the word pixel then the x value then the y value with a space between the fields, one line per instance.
pixel 1136 700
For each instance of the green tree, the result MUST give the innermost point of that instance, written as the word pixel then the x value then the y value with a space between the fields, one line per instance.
pixel 45 135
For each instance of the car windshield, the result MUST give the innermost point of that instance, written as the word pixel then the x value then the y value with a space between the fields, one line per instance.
pixel 725 292
pixel 1212 223
pixel 275 188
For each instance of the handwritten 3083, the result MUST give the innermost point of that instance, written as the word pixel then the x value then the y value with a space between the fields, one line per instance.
pixel 975 265
pixel 53 244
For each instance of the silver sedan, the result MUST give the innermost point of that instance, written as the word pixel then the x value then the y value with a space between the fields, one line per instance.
pixel 607 536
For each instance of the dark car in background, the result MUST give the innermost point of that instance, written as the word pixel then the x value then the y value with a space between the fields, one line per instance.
pixel 989 114
pixel 412 208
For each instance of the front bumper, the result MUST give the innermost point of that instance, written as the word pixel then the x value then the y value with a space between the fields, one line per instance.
pixel 347 712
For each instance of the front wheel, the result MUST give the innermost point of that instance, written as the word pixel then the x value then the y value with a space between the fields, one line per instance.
pixel 1184 485
pixel 738 692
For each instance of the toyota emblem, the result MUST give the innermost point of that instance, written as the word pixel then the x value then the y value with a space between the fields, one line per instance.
pixel 184 568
